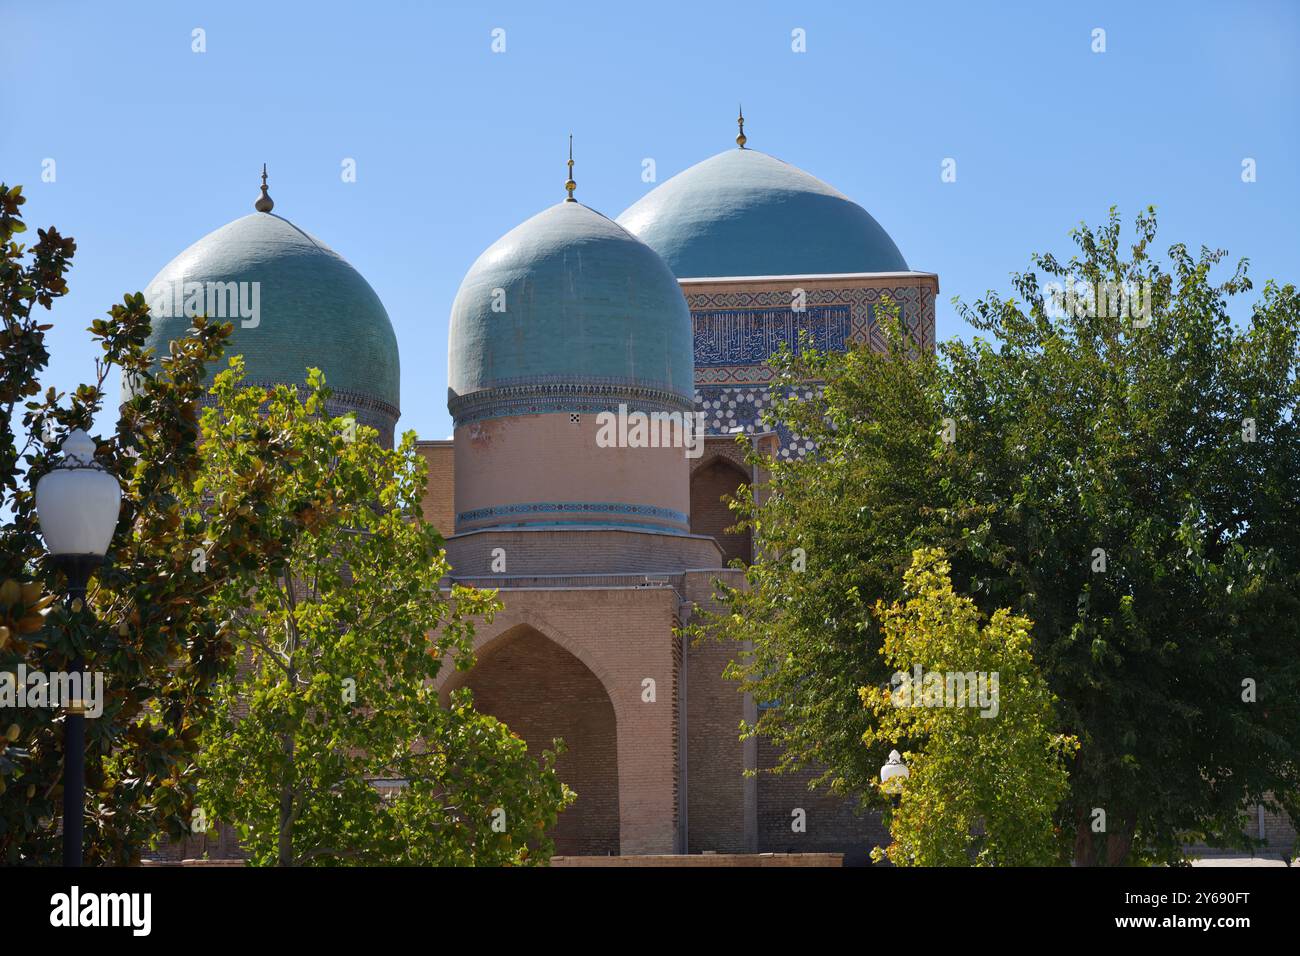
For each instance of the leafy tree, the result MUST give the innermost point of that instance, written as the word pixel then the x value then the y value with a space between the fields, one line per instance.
pixel 1123 477
pixel 343 641
pixel 986 770
pixel 1141 470
pixel 143 623
pixel 834 534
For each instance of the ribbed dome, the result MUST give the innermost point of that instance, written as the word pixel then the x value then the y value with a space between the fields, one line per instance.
pixel 314 310
pixel 745 213
pixel 569 298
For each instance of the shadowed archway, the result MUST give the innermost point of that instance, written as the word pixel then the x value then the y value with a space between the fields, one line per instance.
pixel 541 692
pixel 710 482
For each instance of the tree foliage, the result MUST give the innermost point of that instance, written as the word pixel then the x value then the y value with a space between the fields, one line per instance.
pixel 342 643
pixel 834 534
pixel 143 622
pixel 1127 481
pixel 987 771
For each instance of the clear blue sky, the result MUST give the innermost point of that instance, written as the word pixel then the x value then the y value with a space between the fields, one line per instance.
pixel 156 145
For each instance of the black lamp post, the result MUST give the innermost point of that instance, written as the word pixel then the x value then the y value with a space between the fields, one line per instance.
pixel 77 504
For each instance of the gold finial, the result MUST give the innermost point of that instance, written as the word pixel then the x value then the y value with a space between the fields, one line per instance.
pixel 570 185
pixel 264 202
pixel 741 139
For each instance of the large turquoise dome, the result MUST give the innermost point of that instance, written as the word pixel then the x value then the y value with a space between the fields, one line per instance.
pixel 745 213
pixel 568 311
pixel 313 309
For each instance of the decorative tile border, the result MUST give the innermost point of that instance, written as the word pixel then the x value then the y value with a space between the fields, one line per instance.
pixel 728 407
pixel 730 337
pixel 734 394
pixel 554 508
pixel 573 397
pixel 915 303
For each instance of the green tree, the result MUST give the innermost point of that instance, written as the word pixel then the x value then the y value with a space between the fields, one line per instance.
pixel 987 772
pixel 1123 477
pixel 342 643
pixel 1140 470
pixel 143 622
pixel 834 534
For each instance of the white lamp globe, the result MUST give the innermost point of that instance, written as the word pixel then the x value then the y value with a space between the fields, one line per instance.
pixel 893 773
pixel 78 501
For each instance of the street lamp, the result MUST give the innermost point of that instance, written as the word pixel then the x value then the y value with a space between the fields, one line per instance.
pixel 893 770
pixel 77 503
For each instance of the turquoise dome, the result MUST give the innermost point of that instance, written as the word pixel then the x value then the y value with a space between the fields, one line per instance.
pixel 313 310
pixel 563 309
pixel 745 213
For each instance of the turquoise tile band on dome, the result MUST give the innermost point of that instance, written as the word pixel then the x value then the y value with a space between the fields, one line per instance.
pixel 576 397
pixel 552 508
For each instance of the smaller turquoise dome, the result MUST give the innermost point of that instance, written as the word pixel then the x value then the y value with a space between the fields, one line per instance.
pixel 745 213
pixel 568 300
pixel 314 310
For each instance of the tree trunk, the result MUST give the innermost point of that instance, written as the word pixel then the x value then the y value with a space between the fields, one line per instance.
pixel 1085 847
pixel 285 857
pixel 287 814
pixel 1117 842
pixel 1120 841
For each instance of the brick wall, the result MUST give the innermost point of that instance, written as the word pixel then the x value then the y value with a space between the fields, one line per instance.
pixel 530 551
pixel 1279 833
pixel 715 782
pixel 832 823
pixel 439 496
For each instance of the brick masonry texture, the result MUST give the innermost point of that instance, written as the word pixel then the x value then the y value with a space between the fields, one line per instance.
pixel 438 505
pixel 715 781
pixel 831 823
pixel 536 551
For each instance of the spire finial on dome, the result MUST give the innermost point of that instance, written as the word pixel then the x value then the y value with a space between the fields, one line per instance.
pixel 570 185
pixel 741 139
pixel 264 202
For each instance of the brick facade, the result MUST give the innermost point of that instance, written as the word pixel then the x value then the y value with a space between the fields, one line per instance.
pixel 439 498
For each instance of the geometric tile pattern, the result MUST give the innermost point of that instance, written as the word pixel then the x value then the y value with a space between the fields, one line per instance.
pixel 736 332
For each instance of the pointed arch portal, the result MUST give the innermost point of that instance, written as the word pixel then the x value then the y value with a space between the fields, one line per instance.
pixel 541 691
